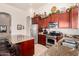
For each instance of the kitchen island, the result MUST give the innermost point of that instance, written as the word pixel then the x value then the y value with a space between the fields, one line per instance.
pixel 15 39
pixel 24 44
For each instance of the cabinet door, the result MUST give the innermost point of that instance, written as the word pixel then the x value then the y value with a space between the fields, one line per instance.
pixel 47 22
pixel 40 23
pixel 35 20
pixel 74 17
pixel 64 20
pixel 56 17
pixel 42 39
pixel 52 18
pixel 44 23
pixel 49 18
pixel 27 48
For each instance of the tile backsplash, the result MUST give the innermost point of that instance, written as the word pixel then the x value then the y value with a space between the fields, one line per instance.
pixel 66 31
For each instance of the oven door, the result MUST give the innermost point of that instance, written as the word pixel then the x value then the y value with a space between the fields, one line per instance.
pixel 50 41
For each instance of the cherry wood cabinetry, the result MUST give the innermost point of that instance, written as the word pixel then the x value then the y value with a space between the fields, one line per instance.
pixel 36 19
pixel 74 17
pixel 52 18
pixel 56 17
pixel 26 48
pixel 42 39
pixel 64 20
pixel 42 23
pixel 45 23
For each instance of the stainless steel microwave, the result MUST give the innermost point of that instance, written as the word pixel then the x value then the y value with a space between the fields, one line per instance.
pixel 53 25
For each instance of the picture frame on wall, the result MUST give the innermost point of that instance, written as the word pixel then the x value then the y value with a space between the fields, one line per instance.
pixel 20 27
pixel 3 28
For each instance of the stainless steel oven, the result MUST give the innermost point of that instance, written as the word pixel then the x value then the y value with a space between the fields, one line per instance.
pixel 50 40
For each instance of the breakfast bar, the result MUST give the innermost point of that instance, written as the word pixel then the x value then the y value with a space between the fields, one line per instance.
pixel 24 44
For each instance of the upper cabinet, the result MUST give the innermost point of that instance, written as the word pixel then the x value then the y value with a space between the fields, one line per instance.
pixel 65 20
pixel 54 18
pixel 36 19
pixel 74 17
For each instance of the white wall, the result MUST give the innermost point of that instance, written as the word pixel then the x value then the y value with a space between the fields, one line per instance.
pixel 17 17
pixel 47 8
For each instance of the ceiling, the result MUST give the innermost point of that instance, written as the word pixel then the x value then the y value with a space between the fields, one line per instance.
pixel 34 6
pixel 25 6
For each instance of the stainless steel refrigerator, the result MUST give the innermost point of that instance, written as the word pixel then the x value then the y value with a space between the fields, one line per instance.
pixel 34 32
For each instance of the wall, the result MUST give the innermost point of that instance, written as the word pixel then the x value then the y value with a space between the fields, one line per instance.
pixel 17 17
pixel 47 8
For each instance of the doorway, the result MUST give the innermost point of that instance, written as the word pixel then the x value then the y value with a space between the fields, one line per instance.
pixel 5 24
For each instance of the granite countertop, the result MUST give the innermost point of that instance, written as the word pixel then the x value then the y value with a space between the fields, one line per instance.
pixel 41 33
pixel 61 51
pixel 19 38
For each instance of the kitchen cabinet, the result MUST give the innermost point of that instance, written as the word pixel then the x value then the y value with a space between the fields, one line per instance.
pixel 26 48
pixel 40 23
pixel 74 17
pixel 42 39
pixel 46 21
pixel 52 18
pixel 56 17
pixel 64 20
pixel 35 20
pixel 43 23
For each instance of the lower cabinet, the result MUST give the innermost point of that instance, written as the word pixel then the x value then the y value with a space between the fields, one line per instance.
pixel 26 48
pixel 42 39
